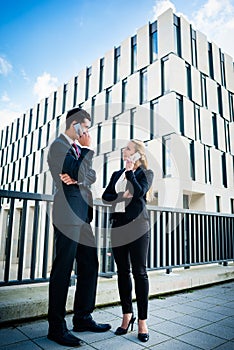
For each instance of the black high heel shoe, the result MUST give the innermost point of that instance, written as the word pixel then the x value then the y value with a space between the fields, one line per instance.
pixel 144 337
pixel 121 331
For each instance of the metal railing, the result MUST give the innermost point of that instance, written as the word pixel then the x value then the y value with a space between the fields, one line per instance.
pixel 179 238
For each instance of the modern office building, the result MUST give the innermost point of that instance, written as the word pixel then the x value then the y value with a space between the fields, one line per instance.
pixel 166 85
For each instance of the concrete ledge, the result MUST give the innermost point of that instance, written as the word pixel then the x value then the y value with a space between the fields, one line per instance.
pixel 19 303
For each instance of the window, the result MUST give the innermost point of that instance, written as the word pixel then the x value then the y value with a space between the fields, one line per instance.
pixel 210 61
pixel 218 204
pixel 99 129
pixel 108 102
pixel 23 125
pixel 38 114
pixel 232 205
pixel 64 97
pixel 25 146
pixel 93 109
pixel 88 75
pixel 124 94
pixel 215 130
pixel 153 42
pixel 165 74
pixel 194 47
pixel 30 121
pixel 197 122
pixel 224 170
pixel 143 86
pixel 192 160
pixel 189 80
pixel 177 38
pixel 101 74
pixel 48 134
pixel 222 68
pixel 166 156
pixel 134 54
pixel 116 65
pixel 180 113
pixel 105 171
pixel 54 104
pixel 114 134
pixel 57 126
pixel 185 201
pixel 227 136
pixel 45 110
pixel 207 164
pixel 75 91
pixel 153 117
pixel 231 106
pixel 132 120
pixel 220 100
pixel 39 138
pixel 203 90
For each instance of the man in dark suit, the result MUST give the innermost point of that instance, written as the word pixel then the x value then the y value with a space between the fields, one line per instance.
pixel 74 239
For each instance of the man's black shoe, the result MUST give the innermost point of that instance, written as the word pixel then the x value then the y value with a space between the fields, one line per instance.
pixel 89 324
pixel 65 338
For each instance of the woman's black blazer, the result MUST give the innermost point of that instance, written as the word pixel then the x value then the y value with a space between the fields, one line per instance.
pixel 138 184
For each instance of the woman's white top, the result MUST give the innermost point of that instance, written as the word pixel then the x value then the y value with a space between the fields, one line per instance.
pixel 120 186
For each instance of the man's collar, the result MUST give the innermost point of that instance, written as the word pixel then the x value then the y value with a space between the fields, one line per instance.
pixel 68 138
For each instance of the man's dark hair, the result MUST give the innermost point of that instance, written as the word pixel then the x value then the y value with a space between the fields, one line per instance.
pixel 77 114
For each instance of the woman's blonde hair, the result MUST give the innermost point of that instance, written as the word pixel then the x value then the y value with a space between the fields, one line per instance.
pixel 140 148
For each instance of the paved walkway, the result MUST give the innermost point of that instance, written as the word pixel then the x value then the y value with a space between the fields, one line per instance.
pixel 199 319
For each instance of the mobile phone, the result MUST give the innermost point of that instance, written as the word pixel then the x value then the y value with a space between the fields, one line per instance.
pixel 79 129
pixel 135 157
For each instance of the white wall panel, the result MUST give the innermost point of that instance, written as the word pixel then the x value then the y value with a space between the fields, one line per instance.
pixel 177 75
pixel 116 105
pixel 108 69
pixel 216 63
pixel 142 123
pixel 199 162
pixel 100 107
pixel 125 59
pixel 216 168
pixel 212 99
pixel 189 119
pixel 231 129
pixel 143 53
pixel 206 127
pixel 133 94
pixel 154 80
pixel 202 53
pixel 165 33
pixel 94 79
pixel 229 72
pixel 196 85
pixel 167 116
pixel 225 100
pixel 186 50
pixel 221 133
pixel 81 86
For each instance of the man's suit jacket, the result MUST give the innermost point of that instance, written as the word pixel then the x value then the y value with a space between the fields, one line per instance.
pixel 72 203
pixel 138 184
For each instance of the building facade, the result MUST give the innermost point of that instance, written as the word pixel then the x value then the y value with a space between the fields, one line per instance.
pixel 166 85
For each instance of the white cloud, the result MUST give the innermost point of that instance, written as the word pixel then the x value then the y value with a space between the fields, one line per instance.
pixel 25 76
pixel 5 66
pixel 44 85
pixel 216 19
pixel 161 6
pixel 5 98
pixel 8 115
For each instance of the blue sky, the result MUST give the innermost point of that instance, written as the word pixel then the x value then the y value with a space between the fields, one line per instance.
pixel 43 43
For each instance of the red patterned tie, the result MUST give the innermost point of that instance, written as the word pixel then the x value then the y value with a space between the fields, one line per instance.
pixel 76 148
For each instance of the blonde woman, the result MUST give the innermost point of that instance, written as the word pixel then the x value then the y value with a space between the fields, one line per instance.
pixel 127 192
